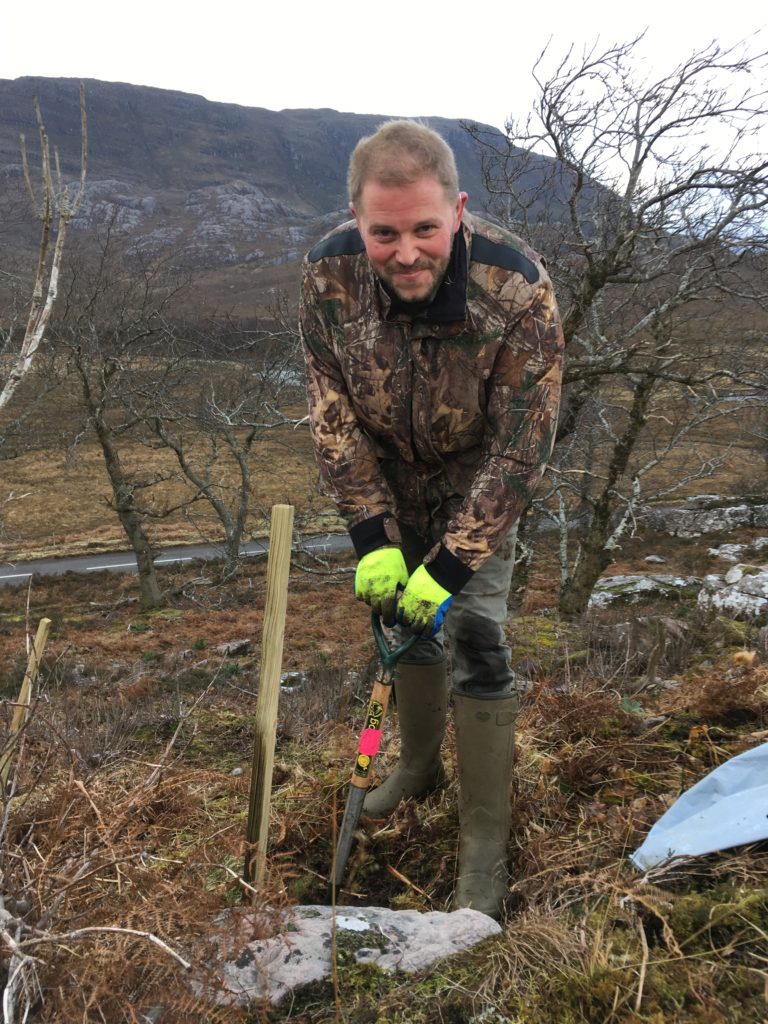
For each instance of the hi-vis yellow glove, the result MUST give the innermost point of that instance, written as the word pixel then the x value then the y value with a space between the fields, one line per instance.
pixel 379 575
pixel 423 604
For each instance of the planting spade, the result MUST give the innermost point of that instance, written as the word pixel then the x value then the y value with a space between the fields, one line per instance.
pixel 368 747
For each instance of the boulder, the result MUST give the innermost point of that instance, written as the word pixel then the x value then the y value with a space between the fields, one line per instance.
pixel 728 552
pixel 741 593
pixel 268 957
pixel 293 680
pixel 735 552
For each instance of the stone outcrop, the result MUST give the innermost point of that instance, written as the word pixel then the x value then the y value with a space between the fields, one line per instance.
pixel 707 513
pixel 736 552
pixel 268 958
pixel 634 589
pixel 741 593
pixel 234 648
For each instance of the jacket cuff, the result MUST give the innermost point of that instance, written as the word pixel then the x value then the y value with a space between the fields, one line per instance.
pixel 376 532
pixel 447 570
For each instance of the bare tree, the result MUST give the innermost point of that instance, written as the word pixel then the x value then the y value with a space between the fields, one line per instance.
pixel 228 389
pixel 114 332
pixel 178 409
pixel 55 208
pixel 653 216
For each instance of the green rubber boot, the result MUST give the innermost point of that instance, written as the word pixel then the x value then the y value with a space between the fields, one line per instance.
pixel 485 744
pixel 422 700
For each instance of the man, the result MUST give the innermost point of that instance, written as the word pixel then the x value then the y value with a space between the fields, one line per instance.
pixel 433 350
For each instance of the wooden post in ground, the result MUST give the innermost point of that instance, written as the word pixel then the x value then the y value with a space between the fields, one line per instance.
pixel 25 698
pixel 278 564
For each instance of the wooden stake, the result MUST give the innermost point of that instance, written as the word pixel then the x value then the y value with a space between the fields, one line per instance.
pixel 25 699
pixel 278 564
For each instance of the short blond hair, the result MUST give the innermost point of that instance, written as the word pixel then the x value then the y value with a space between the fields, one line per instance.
pixel 400 153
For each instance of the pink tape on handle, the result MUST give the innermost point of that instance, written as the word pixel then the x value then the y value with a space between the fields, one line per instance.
pixel 370 741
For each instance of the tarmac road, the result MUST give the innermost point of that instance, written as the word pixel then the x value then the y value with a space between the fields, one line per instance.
pixel 125 561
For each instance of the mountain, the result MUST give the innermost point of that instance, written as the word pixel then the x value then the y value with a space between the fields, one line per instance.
pixel 235 194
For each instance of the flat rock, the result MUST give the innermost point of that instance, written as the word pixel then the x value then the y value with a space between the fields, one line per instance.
pixel 261 956
pixel 233 648
pixel 633 589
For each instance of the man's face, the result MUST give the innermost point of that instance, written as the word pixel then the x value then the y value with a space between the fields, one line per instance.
pixel 408 234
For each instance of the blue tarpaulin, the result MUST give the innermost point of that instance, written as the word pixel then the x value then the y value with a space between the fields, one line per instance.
pixel 728 807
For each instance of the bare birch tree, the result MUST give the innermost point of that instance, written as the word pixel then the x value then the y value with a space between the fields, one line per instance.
pixel 55 208
pixel 653 216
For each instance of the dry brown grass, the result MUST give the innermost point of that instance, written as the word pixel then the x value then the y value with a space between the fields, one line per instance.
pixel 62 504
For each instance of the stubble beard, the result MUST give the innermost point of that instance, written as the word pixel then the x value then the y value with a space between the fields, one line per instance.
pixel 437 268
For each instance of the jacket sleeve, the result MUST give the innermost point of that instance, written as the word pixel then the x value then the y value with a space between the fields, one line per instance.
pixel 346 456
pixel 523 402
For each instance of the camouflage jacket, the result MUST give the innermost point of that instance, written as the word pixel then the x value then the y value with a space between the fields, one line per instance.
pixel 444 419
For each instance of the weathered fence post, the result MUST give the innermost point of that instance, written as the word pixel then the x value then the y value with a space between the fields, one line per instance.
pixel 25 697
pixel 278 564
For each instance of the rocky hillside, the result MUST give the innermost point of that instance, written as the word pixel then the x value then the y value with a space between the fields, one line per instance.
pixel 234 193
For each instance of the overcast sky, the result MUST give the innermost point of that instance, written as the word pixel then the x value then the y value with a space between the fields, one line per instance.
pixel 400 57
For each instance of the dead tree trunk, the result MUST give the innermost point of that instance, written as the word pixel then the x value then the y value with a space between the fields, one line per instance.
pixel 130 519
